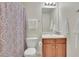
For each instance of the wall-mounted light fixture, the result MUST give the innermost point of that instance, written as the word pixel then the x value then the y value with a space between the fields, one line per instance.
pixel 49 3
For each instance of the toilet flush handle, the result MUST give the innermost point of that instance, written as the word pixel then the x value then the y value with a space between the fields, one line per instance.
pixel 40 43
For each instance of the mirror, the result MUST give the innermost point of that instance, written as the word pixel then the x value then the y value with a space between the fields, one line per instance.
pixel 49 18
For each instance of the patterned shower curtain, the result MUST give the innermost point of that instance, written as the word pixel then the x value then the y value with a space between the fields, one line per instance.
pixel 12 28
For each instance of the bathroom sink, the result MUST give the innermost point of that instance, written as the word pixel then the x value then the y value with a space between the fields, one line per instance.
pixel 53 36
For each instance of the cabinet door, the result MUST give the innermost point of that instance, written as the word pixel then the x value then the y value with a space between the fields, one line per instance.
pixel 49 50
pixel 61 50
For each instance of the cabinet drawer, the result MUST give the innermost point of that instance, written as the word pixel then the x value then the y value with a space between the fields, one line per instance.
pixel 49 41
pixel 61 40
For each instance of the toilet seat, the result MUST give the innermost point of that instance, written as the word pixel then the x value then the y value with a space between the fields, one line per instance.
pixel 30 52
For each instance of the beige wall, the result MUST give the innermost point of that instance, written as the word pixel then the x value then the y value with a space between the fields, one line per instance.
pixel 33 11
pixel 67 11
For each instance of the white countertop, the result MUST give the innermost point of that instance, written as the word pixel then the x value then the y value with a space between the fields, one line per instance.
pixel 53 36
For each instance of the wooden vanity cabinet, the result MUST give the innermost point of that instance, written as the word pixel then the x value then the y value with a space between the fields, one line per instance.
pixel 54 47
pixel 49 50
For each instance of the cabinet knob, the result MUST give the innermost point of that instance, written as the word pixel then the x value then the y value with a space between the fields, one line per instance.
pixel 56 47
pixel 53 46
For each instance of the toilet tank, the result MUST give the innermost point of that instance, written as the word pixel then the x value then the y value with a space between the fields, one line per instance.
pixel 32 42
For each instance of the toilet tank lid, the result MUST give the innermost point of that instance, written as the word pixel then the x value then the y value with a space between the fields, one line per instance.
pixel 31 38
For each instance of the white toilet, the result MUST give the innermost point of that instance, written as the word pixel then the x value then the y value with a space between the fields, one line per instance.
pixel 31 47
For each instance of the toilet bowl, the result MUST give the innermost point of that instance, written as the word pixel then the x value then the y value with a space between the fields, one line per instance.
pixel 30 52
pixel 31 42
